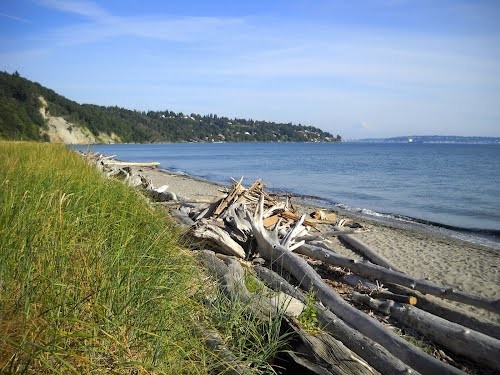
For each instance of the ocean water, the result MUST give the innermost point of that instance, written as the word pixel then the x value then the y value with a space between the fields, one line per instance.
pixel 446 187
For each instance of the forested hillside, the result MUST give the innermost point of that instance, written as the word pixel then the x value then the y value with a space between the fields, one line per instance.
pixel 20 118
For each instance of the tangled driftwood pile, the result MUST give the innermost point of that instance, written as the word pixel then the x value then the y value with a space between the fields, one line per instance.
pixel 250 224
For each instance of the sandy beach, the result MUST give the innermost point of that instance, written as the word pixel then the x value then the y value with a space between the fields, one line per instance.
pixel 443 260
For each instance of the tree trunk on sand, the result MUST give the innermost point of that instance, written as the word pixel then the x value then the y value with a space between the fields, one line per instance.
pixel 374 271
pixel 450 312
pixel 132 164
pixel 473 345
pixel 435 306
pixel 367 251
pixel 279 253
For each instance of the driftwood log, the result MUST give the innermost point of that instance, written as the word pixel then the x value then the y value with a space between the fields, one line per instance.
pixel 221 238
pixel 373 271
pixel 432 305
pixel 131 164
pixel 367 251
pixel 473 345
pixel 450 312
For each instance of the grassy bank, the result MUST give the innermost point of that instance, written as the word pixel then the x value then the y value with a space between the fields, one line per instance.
pixel 91 278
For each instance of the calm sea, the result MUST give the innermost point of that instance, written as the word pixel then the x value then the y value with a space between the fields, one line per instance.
pixel 446 187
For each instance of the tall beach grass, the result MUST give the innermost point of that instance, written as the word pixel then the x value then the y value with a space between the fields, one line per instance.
pixel 91 277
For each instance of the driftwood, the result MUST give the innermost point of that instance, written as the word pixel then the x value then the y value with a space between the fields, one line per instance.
pixel 374 271
pixel 434 306
pixel 187 202
pixel 367 251
pixel 476 346
pixel 221 238
pixel 161 194
pixel 229 364
pixel 360 283
pixel 182 216
pixel 279 253
pixel 410 300
pixel 376 291
pixel 372 352
pixel 318 352
pixel 321 353
pixel 323 235
pixel 131 164
pixel 450 312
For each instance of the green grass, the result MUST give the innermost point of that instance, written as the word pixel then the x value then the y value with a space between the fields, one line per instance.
pixel 254 341
pixel 308 318
pixel 92 279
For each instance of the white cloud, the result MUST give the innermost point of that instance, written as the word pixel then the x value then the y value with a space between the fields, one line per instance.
pixel 82 8
pixel 15 18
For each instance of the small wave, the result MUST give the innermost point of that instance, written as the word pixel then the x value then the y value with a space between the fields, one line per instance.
pixel 173 171
pixel 487 237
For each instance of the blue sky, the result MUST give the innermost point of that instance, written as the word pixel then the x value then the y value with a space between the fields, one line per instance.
pixel 355 68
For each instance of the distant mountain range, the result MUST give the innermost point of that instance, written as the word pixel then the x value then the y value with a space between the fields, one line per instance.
pixel 434 139
pixel 29 111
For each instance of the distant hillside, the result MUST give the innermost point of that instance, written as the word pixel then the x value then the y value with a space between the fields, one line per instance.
pixel 434 139
pixel 30 111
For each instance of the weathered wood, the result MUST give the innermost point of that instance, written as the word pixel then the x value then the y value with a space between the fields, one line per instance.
pixel 318 352
pixel 381 273
pixel 231 278
pixel 372 352
pixel 323 216
pixel 292 216
pixel 161 194
pixel 432 305
pixel 271 221
pixel 375 291
pixel 369 252
pixel 257 184
pixel 221 238
pixel 360 283
pixel 182 217
pixel 208 211
pixel 280 254
pixel 410 300
pixel 450 312
pixel 188 201
pixel 237 189
pixel 229 362
pixel 323 235
pixel 131 164
pixel 473 345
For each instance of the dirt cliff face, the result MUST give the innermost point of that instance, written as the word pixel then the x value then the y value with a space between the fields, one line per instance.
pixel 62 131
